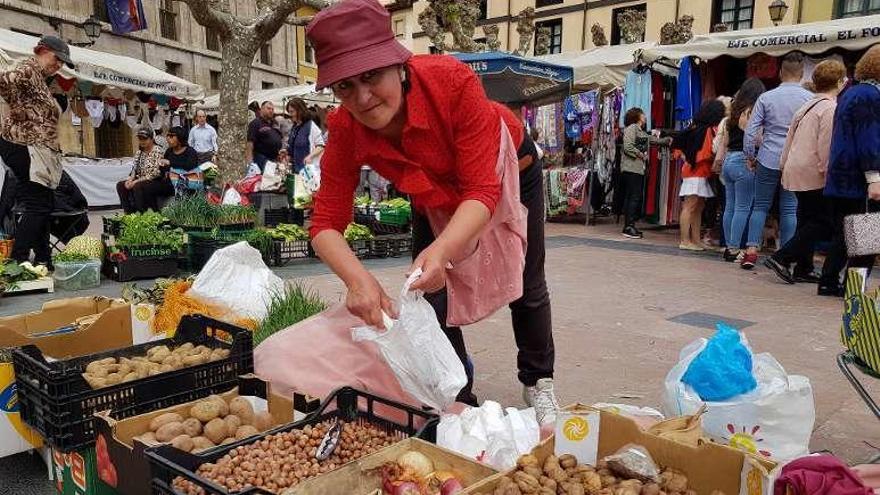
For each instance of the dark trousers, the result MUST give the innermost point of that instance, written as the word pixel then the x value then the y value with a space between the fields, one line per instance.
pixel 204 157
pixel 814 225
pixel 633 185
pixel 143 196
pixel 530 313
pixel 33 201
pixel 837 259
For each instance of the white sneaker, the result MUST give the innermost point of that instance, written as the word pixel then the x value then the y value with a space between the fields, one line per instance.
pixel 543 399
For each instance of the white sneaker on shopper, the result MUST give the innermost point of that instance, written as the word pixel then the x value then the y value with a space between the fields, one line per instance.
pixel 543 399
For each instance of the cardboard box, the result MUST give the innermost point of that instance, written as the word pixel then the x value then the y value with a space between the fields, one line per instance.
pixel 111 329
pixel 708 467
pixel 126 454
pixel 361 477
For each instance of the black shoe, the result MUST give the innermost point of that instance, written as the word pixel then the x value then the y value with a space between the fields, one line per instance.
pixel 806 278
pixel 630 232
pixel 781 271
pixel 728 256
pixel 831 290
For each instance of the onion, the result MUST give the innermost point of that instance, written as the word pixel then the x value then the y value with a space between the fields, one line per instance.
pixel 406 488
pixel 417 462
pixel 451 486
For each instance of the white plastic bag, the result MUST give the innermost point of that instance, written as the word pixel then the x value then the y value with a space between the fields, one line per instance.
pixel 488 435
pixel 418 351
pixel 237 278
pixel 231 197
pixel 271 179
pixel 775 420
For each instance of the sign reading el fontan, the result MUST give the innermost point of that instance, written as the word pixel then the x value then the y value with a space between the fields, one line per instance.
pixel 805 38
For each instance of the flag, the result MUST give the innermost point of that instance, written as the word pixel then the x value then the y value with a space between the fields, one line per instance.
pixel 126 15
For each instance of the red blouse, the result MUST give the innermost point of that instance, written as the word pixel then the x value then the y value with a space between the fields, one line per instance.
pixel 447 153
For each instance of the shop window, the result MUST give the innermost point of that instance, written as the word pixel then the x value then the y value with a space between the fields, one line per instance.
pixel 99 9
pixel 173 68
pixel 735 14
pixel 267 85
pixel 168 14
pixel 555 27
pixel 266 54
pixel 212 40
pixel 113 141
pixel 399 28
pixel 215 79
pixel 615 22
pixel 484 9
pixel 547 3
pixel 854 8
pixel 308 51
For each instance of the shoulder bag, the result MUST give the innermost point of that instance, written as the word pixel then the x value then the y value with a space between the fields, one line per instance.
pixel 862 232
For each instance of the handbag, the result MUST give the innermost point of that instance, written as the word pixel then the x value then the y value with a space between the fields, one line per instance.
pixel 860 327
pixel 862 232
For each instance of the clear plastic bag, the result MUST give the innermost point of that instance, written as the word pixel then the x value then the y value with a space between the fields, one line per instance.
pixel 418 351
pixel 633 462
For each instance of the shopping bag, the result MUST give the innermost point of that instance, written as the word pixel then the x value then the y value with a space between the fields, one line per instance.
pixel 775 420
pixel 418 351
pixel 489 434
pixel 723 369
pixel 860 329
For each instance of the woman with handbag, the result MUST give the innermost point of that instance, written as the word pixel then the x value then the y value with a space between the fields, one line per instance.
pixel 853 177
pixel 29 144
pixel 425 124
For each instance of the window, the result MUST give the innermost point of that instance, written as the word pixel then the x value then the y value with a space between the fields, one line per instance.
pixel 99 9
pixel 484 9
pixel 546 3
pixel 168 19
pixel 266 54
pixel 615 23
pixel 399 28
pixel 267 85
pixel 212 40
pixel 853 8
pixel 172 68
pixel 308 51
pixel 555 27
pixel 215 79
pixel 735 14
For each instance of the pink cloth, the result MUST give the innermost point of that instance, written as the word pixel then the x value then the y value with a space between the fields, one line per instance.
pixel 810 138
pixel 819 475
pixel 491 276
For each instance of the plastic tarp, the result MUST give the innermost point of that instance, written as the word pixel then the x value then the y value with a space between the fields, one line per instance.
pixel 852 33
pixel 278 97
pixel 104 68
pixel 512 79
pixel 600 67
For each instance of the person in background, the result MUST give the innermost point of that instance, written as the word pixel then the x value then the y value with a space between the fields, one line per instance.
pixel 203 138
pixel 141 190
pixel 853 176
pixel 633 158
pixel 306 141
pixel 29 144
pixel 772 114
pixel 263 137
pixel 179 155
pixel 739 179
pixel 696 144
pixel 803 163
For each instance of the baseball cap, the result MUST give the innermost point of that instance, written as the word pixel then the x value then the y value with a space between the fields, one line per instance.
pixel 352 37
pixel 58 47
pixel 145 132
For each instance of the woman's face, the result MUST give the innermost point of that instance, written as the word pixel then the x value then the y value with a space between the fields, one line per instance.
pixel 172 140
pixel 294 115
pixel 374 98
pixel 642 120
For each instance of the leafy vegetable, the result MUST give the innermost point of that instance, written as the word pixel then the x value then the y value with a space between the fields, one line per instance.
pixel 395 203
pixel 289 232
pixel 154 295
pixel 357 232
pixel 14 273
pixel 196 211
pixel 65 257
pixel 148 229
pixel 362 201
pixel 302 202
pixel 292 306
pixel 261 240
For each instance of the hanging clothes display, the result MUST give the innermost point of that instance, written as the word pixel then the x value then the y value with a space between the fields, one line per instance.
pixel 572 119
pixel 689 92
pixel 637 93
pixel 95 108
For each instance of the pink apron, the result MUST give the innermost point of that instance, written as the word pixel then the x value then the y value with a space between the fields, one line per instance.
pixel 491 276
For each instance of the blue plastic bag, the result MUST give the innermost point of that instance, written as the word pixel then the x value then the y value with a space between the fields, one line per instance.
pixel 723 369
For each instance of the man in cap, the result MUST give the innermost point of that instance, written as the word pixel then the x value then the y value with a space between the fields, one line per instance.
pixel 29 143
pixel 147 183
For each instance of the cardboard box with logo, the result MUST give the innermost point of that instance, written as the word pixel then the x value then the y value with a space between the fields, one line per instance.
pixel 62 329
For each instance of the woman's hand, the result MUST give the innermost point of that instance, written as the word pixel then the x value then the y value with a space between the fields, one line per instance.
pixel 366 299
pixel 433 261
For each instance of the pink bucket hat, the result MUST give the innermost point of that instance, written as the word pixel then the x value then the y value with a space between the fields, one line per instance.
pixel 352 37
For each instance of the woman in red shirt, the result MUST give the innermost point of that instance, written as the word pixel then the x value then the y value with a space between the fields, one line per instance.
pixel 424 123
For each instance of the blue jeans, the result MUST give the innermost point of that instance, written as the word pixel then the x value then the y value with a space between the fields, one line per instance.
pixel 766 184
pixel 739 186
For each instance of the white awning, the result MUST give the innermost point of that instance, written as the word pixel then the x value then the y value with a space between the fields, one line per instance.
pixel 104 68
pixel 852 33
pixel 600 67
pixel 278 97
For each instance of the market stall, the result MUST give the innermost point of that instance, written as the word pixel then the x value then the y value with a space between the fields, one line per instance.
pixel 278 97
pixel 602 67
pixel 509 78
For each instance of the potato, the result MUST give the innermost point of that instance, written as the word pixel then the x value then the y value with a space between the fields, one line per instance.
pixel 224 407
pixel 205 410
pixel 194 360
pixel 186 347
pixel 163 419
pixel 182 442
pixel 95 382
pixel 242 408
pixel 192 427
pixel 124 369
pixel 168 431
pixel 216 430
pixel 165 368
pixel 130 377
pixel 158 357
pixel 568 461
pixel 158 348
pixel 114 378
pixel 651 489
pixel 202 443
pixel 263 421
pixel 245 431
pixel 148 438
pixel 94 366
pixel 232 422
pixel 227 441
pixel 218 354
pixel 201 348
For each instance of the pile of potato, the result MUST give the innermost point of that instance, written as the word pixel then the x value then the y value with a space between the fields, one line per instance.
pixel 563 475
pixel 284 460
pixel 159 359
pixel 211 422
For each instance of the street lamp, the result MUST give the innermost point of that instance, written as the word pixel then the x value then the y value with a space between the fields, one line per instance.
pixel 777 11
pixel 92 28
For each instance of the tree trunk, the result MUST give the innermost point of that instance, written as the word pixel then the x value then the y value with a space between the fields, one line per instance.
pixel 234 114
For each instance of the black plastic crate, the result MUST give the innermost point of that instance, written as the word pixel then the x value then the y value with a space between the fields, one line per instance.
pixel 380 228
pixel 287 251
pixel 361 248
pixel 149 252
pixel 346 404
pixel 366 215
pixel 203 245
pixel 141 268
pixel 59 404
pixel 111 225
pixel 391 246
pixel 289 215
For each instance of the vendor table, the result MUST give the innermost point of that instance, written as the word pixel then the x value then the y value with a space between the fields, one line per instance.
pixel 97 177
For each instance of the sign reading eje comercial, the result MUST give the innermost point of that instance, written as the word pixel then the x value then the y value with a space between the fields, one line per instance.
pixel 805 38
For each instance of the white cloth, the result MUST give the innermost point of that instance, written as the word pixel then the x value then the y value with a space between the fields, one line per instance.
pixel 96 111
pixel 203 139
pixel 696 186
pixel 97 178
